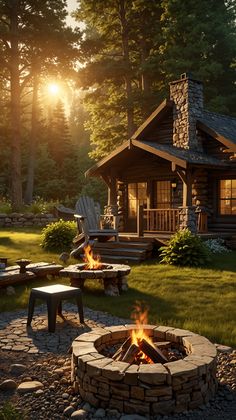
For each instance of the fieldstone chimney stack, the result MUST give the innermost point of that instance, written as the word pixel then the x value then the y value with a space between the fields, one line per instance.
pixel 187 95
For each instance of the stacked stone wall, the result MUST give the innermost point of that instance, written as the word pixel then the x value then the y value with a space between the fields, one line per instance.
pixel 187 95
pixel 27 219
pixel 188 219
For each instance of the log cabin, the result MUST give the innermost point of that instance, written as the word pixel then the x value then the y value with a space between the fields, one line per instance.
pixel 178 170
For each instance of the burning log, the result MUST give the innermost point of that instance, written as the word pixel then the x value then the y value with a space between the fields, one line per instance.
pixel 130 354
pixel 153 353
pixel 122 349
pixel 162 344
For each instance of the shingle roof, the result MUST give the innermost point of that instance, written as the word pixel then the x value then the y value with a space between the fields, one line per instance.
pixel 189 156
pixel 222 124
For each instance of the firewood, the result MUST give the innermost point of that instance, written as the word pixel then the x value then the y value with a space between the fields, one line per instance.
pixel 162 344
pixel 122 349
pixel 153 353
pixel 131 353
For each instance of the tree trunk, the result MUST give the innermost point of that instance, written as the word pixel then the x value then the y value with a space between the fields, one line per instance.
pixel 33 142
pixel 144 76
pixel 16 185
pixel 127 77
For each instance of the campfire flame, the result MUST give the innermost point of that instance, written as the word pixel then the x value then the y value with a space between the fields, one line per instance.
pixel 140 316
pixel 92 262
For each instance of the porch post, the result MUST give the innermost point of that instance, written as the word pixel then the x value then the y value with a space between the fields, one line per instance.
pixel 188 217
pixel 112 195
pixel 111 207
pixel 187 189
pixel 140 221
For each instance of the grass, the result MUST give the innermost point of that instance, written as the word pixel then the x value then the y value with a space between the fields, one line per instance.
pixel 202 300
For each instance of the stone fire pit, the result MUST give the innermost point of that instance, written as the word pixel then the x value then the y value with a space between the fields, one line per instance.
pixel 113 276
pixel 146 389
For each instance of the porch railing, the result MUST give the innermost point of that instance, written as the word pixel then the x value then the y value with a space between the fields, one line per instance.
pixel 158 220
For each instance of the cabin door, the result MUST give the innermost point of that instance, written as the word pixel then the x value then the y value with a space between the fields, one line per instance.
pixel 162 195
pixel 137 196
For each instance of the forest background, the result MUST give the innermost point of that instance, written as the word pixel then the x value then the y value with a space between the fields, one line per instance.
pixel 70 95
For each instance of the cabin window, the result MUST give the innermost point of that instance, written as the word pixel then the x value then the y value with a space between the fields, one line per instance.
pixel 137 196
pixel 163 194
pixel 228 197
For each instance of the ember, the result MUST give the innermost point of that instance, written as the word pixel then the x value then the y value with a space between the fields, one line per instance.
pixel 92 262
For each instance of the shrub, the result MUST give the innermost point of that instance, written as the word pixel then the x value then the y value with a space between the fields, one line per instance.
pixel 39 205
pixel 58 236
pixel 5 206
pixel 217 246
pixel 185 249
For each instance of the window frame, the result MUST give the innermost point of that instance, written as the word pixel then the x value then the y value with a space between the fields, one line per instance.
pixel 231 198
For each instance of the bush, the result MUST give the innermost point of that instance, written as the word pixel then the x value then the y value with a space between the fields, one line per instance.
pixel 5 206
pixel 58 236
pixel 39 205
pixel 185 249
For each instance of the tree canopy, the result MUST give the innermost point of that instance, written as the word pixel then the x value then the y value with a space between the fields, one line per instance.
pixel 132 49
pixel 114 68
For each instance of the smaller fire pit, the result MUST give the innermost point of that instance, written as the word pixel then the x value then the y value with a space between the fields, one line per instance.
pixel 114 277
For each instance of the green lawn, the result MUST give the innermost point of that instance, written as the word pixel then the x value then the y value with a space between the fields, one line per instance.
pixel 202 300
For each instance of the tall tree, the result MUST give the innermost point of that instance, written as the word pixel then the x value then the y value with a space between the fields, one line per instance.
pixel 117 47
pixel 29 29
pixel 133 48
pixel 200 37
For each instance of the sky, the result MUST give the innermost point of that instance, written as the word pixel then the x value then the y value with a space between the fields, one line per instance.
pixel 71 6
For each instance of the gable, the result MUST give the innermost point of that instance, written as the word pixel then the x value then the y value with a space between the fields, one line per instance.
pixel 158 125
pixel 221 127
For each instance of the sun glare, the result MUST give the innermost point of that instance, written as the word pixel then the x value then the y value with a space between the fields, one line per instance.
pixel 53 88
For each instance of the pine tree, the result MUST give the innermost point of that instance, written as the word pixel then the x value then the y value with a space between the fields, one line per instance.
pixel 119 49
pixel 199 37
pixel 29 30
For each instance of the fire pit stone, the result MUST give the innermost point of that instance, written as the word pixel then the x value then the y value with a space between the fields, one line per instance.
pixel 113 276
pixel 146 389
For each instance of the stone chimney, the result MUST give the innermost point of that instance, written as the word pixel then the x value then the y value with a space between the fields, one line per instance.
pixel 187 95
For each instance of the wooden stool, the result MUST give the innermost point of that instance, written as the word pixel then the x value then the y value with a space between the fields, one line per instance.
pixel 53 296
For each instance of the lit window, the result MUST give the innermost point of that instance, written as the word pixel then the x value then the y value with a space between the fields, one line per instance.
pixel 228 196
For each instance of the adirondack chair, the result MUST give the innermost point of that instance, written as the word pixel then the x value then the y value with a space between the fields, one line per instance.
pixel 92 225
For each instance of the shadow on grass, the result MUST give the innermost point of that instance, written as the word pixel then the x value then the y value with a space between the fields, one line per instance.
pixel 123 305
pixel 6 241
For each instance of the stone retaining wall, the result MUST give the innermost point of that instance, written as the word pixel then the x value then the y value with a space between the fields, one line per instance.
pixel 149 389
pixel 27 219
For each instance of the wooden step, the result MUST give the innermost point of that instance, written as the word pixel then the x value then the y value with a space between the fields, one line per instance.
pixel 133 245
pixel 121 251
pixel 120 259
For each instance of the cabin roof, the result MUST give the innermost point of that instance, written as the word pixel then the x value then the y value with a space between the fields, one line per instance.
pixel 189 156
pixel 219 126
pixel 179 156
